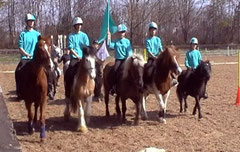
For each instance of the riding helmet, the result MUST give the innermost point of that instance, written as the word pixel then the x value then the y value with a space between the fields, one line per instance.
pixel 77 20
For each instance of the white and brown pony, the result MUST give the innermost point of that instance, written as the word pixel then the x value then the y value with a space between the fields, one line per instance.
pixel 159 80
pixel 79 91
pixel 129 85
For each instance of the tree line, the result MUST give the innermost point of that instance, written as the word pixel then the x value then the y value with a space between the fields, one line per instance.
pixel 211 21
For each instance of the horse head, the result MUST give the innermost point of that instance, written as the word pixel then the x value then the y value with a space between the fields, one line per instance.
pixel 204 69
pixel 89 61
pixel 133 69
pixel 56 53
pixel 43 50
pixel 169 59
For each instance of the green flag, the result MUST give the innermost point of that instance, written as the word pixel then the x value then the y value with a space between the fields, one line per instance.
pixel 107 22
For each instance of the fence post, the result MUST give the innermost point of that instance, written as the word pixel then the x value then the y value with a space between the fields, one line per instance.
pixel 228 51
pixel 65 41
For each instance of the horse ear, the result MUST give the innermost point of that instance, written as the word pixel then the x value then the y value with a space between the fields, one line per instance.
pixel 39 37
pixel 86 50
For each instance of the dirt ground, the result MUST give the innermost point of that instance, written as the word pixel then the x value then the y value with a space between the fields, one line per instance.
pixel 217 131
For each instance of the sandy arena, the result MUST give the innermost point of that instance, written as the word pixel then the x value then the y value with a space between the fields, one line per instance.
pixel 217 131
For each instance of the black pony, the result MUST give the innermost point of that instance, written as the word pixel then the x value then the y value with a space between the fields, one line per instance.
pixel 193 83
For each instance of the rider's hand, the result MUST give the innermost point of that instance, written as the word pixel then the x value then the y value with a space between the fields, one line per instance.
pixel 109 35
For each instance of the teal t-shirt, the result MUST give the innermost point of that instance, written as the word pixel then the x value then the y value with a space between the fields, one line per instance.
pixel 153 45
pixel 122 47
pixel 28 40
pixel 76 41
pixel 193 58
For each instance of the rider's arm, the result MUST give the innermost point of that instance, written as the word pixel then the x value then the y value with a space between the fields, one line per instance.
pixel 110 44
pixel 74 53
pixel 23 52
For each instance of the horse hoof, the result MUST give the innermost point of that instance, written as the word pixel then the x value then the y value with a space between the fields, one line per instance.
pixel 82 129
pixel 31 131
pixel 136 122
pixel 66 118
pixel 43 140
pixel 124 121
pixel 144 118
pixel 162 120
pixel 107 115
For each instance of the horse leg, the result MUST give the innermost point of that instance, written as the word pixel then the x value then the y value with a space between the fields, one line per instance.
pixel 106 99
pixel 124 109
pixel 81 120
pixel 67 111
pixel 35 115
pixel 162 104
pixel 87 109
pixel 185 104
pixel 143 108
pixel 180 101
pixel 138 107
pixel 180 98
pixel 118 107
pixel 199 108
pixel 43 107
pixel 195 107
pixel 30 117
pixel 162 113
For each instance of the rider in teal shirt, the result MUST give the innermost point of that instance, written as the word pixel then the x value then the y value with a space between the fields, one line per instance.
pixel 193 59
pixel 153 43
pixel 76 41
pixel 123 49
pixel 193 56
pixel 27 43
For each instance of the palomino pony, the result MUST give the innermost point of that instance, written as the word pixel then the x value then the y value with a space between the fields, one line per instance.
pixel 193 83
pixel 34 87
pixel 129 85
pixel 159 80
pixel 79 91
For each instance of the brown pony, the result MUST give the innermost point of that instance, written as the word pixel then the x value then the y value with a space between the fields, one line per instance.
pixel 79 91
pixel 129 85
pixel 159 80
pixel 34 87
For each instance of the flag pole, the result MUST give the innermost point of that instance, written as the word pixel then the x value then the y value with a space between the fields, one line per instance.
pixel 108 11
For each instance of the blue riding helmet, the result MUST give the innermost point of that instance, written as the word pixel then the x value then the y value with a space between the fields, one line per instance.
pixel 121 28
pixel 153 25
pixel 30 17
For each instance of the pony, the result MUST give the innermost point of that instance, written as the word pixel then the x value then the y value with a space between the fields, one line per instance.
pixel 55 72
pixel 159 80
pixel 129 85
pixel 98 96
pixel 34 87
pixel 79 91
pixel 193 83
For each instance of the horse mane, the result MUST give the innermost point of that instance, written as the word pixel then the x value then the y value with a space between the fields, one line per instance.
pixel 136 59
pixel 166 55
